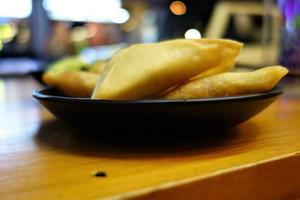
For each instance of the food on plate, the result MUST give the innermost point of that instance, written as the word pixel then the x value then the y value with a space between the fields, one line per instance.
pixel 97 67
pixel 210 72
pixel 146 69
pixel 174 69
pixel 76 83
pixel 71 63
pixel 216 70
pixel 229 84
pixel 68 63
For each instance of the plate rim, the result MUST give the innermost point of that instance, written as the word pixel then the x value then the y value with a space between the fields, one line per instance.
pixel 39 95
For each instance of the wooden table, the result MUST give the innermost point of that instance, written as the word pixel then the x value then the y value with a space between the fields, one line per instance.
pixel 42 158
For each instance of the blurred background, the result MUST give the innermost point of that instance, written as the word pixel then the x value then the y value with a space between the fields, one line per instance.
pixel 35 32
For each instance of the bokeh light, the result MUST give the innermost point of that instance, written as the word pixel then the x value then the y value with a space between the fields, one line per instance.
pixel 192 34
pixel 178 8
pixel 15 8
pixel 103 11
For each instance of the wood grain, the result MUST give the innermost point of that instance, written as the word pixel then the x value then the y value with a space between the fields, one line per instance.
pixel 43 158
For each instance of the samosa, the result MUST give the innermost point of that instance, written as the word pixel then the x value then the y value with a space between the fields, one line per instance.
pixel 145 69
pixel 230 84
pixel 76 83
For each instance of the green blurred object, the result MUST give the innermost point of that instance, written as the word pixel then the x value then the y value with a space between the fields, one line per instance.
pixel 96 67
pixel 66 63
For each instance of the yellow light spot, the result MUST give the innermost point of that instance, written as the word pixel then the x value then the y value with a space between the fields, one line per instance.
pixel 79 34
pixel 7 32
pixel 178 8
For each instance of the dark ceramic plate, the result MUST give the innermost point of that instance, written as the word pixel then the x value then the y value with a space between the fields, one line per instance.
pixel 220 112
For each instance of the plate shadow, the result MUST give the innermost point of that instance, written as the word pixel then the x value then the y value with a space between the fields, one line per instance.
pixel 147 142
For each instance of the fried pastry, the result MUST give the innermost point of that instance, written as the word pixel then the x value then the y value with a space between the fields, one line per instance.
pixel 229 84
pixel 145 69
pixel 76 83
pixel 97 67
pixel 65 64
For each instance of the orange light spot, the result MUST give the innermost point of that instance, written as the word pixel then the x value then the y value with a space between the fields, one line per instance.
pixel 178 8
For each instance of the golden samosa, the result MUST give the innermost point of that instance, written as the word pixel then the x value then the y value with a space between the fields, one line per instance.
pixel 76 83
pixel 230 84
pixel 145 69
pixel 74 63
pixel 97 67
pixel 216 70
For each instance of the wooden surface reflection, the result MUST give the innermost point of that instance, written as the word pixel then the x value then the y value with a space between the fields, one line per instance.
pixel 44 158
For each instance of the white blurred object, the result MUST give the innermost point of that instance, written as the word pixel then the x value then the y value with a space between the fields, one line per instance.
pixel 15 8
pixel 192 34
pixel 105 11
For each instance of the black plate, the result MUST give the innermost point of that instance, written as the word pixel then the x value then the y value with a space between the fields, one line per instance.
pixel 200 113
